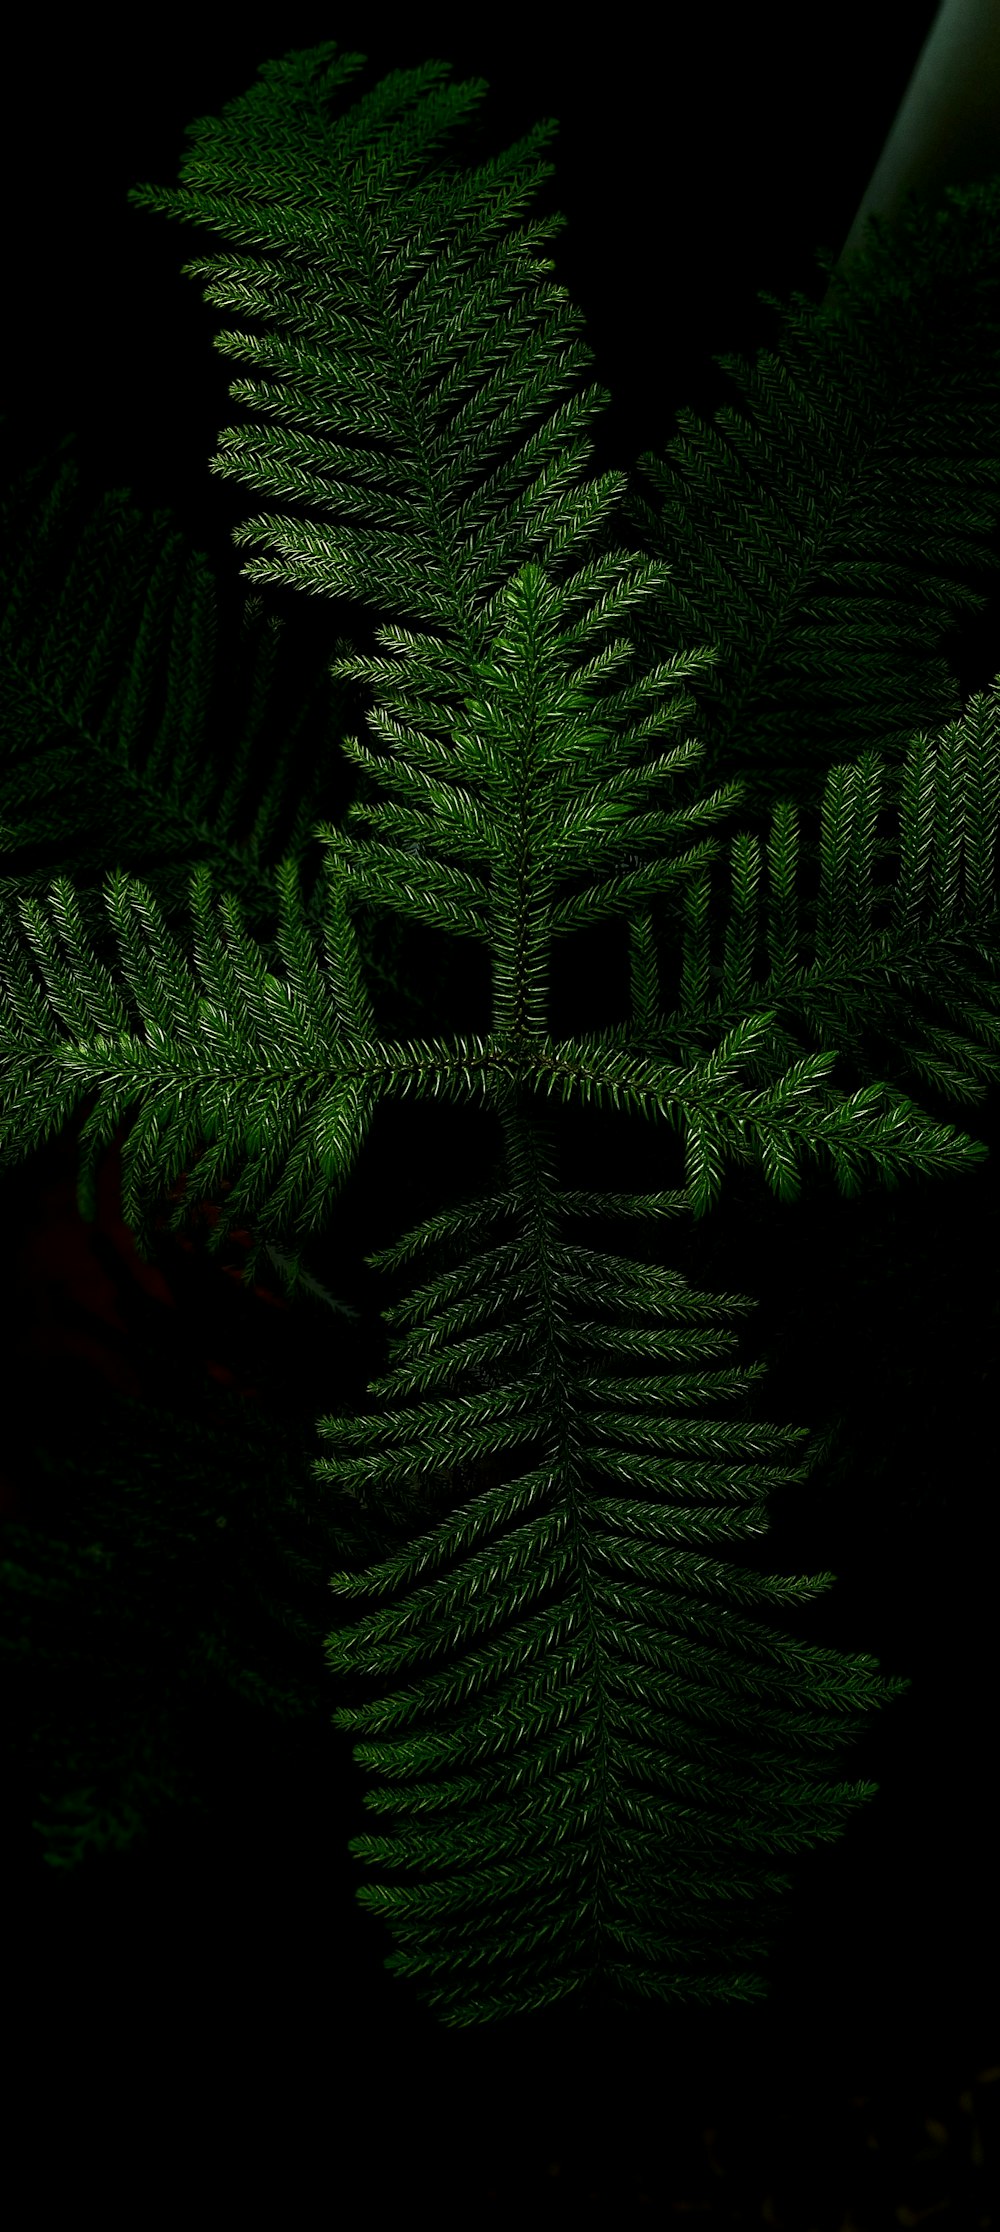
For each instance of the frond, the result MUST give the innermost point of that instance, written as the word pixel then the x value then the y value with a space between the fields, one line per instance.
pixel 589 1743
pixel 139 721
pixel 278 1073
pixel 593 1746
pixel 905 929
pixel 408 406
pixel 820 534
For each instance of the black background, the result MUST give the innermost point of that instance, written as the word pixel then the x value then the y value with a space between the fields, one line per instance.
pixel 218 1986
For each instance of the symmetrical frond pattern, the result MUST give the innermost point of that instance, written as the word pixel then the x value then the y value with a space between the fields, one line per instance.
pixel 592 1747
pixel 413 386
pixel 593 1744
pixel 877 958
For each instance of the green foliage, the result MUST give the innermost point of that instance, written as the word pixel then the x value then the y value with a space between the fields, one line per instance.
pixel 590 1744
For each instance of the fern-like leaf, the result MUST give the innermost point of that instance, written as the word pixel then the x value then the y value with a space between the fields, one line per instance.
pixel 593 1746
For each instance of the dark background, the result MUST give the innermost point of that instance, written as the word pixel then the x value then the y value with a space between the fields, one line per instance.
pixel 216 1985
